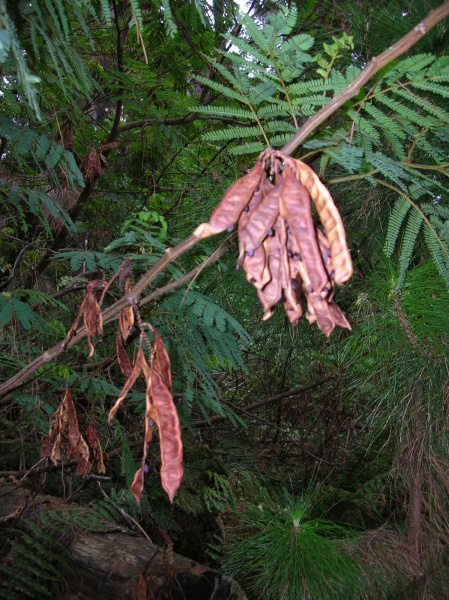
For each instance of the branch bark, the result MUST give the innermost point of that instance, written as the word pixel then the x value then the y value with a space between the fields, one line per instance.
pixel 111 313
pixel 377 63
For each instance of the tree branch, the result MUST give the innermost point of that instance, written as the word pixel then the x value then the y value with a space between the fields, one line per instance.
pixel 377 63
pixel 111 313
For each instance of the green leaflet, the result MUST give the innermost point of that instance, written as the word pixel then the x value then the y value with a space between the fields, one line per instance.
pixel 400 210
pixel 412 228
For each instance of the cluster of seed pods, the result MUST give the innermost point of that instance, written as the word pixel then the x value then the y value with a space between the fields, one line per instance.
pixel 282 251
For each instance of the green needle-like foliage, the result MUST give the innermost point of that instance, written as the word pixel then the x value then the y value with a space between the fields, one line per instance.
pixel 284 552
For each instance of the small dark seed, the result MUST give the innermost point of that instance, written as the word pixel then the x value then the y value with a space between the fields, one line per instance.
pixel 310 288
pixel 289 231
pixel 250 252
pixel 146 468
pixel 289 253
pixel 320 298
pixel 246 209
pixel 271 232
pixel 257 188
pixel 231 228
pixel 237 266
pixel 150 422
pixel 294 286
pixel 252 280
pixel 328 253
pixel 332 275
pixel 298 256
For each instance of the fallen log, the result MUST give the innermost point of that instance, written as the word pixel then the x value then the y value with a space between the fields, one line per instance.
pixel 109 563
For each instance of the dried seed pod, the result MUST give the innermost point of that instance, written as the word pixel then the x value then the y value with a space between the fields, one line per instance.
pixel 295 208
pixel 289 295
pixel 260 220
pixel 255 267
pixel 331 220
pixel 169 435
pixel 233 202
pixel 294 312
pixel 255 200
pixel 270 294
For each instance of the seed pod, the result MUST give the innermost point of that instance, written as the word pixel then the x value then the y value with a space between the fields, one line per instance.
pixel 295 208
pixel 270 294
pixel 260 220
pixel 331 220
pixel 255 267
pixel 233 202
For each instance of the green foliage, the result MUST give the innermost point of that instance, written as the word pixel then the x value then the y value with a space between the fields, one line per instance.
pixel 39 558
pixel 280 550
pixel 203 338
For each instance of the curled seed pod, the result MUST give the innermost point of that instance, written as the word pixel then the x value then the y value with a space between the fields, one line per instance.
pixel 331 220
pixel 255 200
pixel 260 220
pixel 255 267
pixel 232 204
pixel 295 208
pixel 269 295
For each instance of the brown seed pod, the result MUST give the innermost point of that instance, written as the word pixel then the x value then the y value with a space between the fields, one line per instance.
pixel 295 208
pixel 255 264
pixel 233 202
pixel 260 220
pixel 331 220
pixel 270 294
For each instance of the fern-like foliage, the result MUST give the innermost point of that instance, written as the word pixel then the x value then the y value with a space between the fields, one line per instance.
pixel 203 339
pixel 39 555
pixel 393 134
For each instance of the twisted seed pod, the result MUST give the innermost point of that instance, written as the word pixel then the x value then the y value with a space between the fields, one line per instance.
pixel 233 202
pixel 255 267
pixel 289 296
pixel 270 294
pixel 331 220
pixel 295 208
pixel 260 220
pixel 132 378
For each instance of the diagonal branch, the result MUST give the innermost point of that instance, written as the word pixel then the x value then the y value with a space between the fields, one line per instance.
pixel 112 313
pixel 377 63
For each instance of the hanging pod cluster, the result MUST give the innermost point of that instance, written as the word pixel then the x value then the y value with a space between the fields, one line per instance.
pixel 281 249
